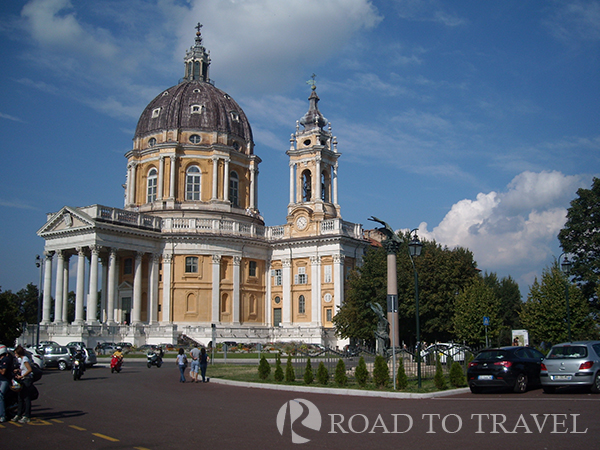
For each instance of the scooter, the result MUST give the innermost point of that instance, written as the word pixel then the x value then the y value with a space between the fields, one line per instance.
pixel 77 369
pixel 115 364
pixel 154 360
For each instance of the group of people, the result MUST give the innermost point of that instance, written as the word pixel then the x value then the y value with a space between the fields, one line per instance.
pixel 199 364
pixel 16 374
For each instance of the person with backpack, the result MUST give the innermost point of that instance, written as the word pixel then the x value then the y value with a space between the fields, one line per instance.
pixel 24 377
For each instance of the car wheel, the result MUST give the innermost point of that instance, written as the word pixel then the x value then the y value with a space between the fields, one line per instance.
pixel 549 389
pixel 62 365
pixel 595 388
pixel 521 383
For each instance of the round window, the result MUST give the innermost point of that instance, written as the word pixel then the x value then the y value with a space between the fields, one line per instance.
pixel 195 138
pixel 277 300
pixel 152 142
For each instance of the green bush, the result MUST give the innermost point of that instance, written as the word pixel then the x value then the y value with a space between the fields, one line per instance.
pixel 401 378
pixel 290 375
pixel 308 373
pixel 278 370
pixel 457 376
pixel 264 368
pixel 361 373
pixel 381 372
pixel 322 374
pixel 439 380
pixel 340 376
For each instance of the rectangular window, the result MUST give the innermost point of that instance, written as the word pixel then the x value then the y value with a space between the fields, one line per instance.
pixel 191 264
pixel 151 190
pixel 328 315
pixel 276 274
pixel 252 268
pixel 327 274
pixel 301 277
pixel 128 266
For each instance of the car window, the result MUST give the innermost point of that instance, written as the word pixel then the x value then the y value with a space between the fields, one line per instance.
pixel 492 354
pixel 568 352
pixel 596 348
pixel 522 353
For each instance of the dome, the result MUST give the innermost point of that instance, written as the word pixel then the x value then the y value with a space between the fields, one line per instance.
pixel 194 105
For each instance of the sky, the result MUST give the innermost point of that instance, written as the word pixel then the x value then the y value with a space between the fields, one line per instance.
pixel 475 122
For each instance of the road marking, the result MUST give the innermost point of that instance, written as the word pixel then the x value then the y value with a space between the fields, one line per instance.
pixel 38 422
pixel 108 438
pixel 77 428
pixel 56 420
pixel 141 448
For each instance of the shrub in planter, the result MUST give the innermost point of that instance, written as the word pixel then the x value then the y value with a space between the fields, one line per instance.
pixel 308 373
pixel 340 376
pixel 264 368
pixel 381 372
pixel 361 373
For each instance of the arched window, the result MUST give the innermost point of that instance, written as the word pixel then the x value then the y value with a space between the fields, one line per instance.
pixel 301 305
pixel 152 182
pixel 234 184
pixel 192 183
pixel 306 186
pixel 325 186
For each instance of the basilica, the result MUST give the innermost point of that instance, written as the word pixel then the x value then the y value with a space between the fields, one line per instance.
pixel 189 255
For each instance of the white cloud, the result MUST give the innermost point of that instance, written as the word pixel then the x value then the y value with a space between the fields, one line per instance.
pixel 514 229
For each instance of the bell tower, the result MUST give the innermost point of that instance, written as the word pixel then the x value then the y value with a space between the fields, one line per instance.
pixel 313 168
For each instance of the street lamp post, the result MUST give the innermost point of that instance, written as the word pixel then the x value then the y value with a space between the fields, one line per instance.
pixel 414 249
pixel 566 267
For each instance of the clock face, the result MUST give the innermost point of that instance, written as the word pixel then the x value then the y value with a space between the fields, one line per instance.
pixel 301 223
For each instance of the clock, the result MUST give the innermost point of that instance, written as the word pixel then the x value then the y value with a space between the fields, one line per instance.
pixel 301 223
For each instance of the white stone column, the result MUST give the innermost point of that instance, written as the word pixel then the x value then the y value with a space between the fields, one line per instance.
pixel 269 284
pixel 80 289
pixel 315 290
pixel 235 302
pixel 132 185
pixel 136 310
pixel 286 313
pixel 226 180
pixel 216 291
pixel 47 301
pixel 153 289
pixel 215 178
pixel 58 294
pixel 317 177
pixel 161 178
pixel 65 281
pixel 173 159
pixel 292 196
pixel 338 281
pixel 104 290
pixel 335 183
pixel 166 280
pixel 92 300
pixel 252 185
pixel 112 286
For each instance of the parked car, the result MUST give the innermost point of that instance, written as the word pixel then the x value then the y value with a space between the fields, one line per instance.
pixel 76 344
pixel 58 356
pixel 125 345
pixel 35 357
pixel 572 364
pixel 43 344
pixel 107 348
pixel 514 368
pixel 90 356
pixel 147 348
pixel 445 351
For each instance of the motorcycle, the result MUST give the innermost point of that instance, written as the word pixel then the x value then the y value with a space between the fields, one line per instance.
pixel 154 360
pixel 115 364
pixel 77 369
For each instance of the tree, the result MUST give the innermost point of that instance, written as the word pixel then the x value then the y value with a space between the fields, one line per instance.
pixel 28 303
pixel 581 240
pixel 264 369
pixel 322 374
pixel 308 373
pixel 278 370
pixel 508 293
pixel 544 314
pixel 290 374
pixel 11 318
pixel 472 305
pixel 381 372
pixel 401 378
pixel 340 376
pixel 457 376
pixel 361 373
pixel 438 379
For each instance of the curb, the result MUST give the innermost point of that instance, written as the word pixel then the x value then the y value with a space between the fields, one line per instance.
pixel 352 392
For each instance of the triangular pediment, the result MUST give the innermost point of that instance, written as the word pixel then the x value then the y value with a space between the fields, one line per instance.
pixel 65 220
pixel 125 286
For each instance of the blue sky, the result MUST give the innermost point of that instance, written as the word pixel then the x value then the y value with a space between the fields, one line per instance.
pixel 474 121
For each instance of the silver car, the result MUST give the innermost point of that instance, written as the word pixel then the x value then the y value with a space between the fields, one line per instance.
pixel 572 364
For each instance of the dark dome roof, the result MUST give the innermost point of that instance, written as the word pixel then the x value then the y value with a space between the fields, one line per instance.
pixel 172 109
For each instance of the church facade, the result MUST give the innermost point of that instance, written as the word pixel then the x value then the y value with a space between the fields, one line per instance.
pixel 189 253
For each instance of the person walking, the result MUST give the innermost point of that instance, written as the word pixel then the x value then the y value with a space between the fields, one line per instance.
pixel 6 369
pixel 182 363
pixel 25 378
pixel 204 358
pixel 195 365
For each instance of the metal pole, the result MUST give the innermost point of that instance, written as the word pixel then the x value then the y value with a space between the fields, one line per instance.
pixel 39 263
pixel 418 325
pixel 568 312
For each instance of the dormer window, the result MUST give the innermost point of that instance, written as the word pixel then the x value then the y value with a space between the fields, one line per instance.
pixel 196 109
pixel 235 116
pixel 195 139
pixel 155 113
pixel 152 142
